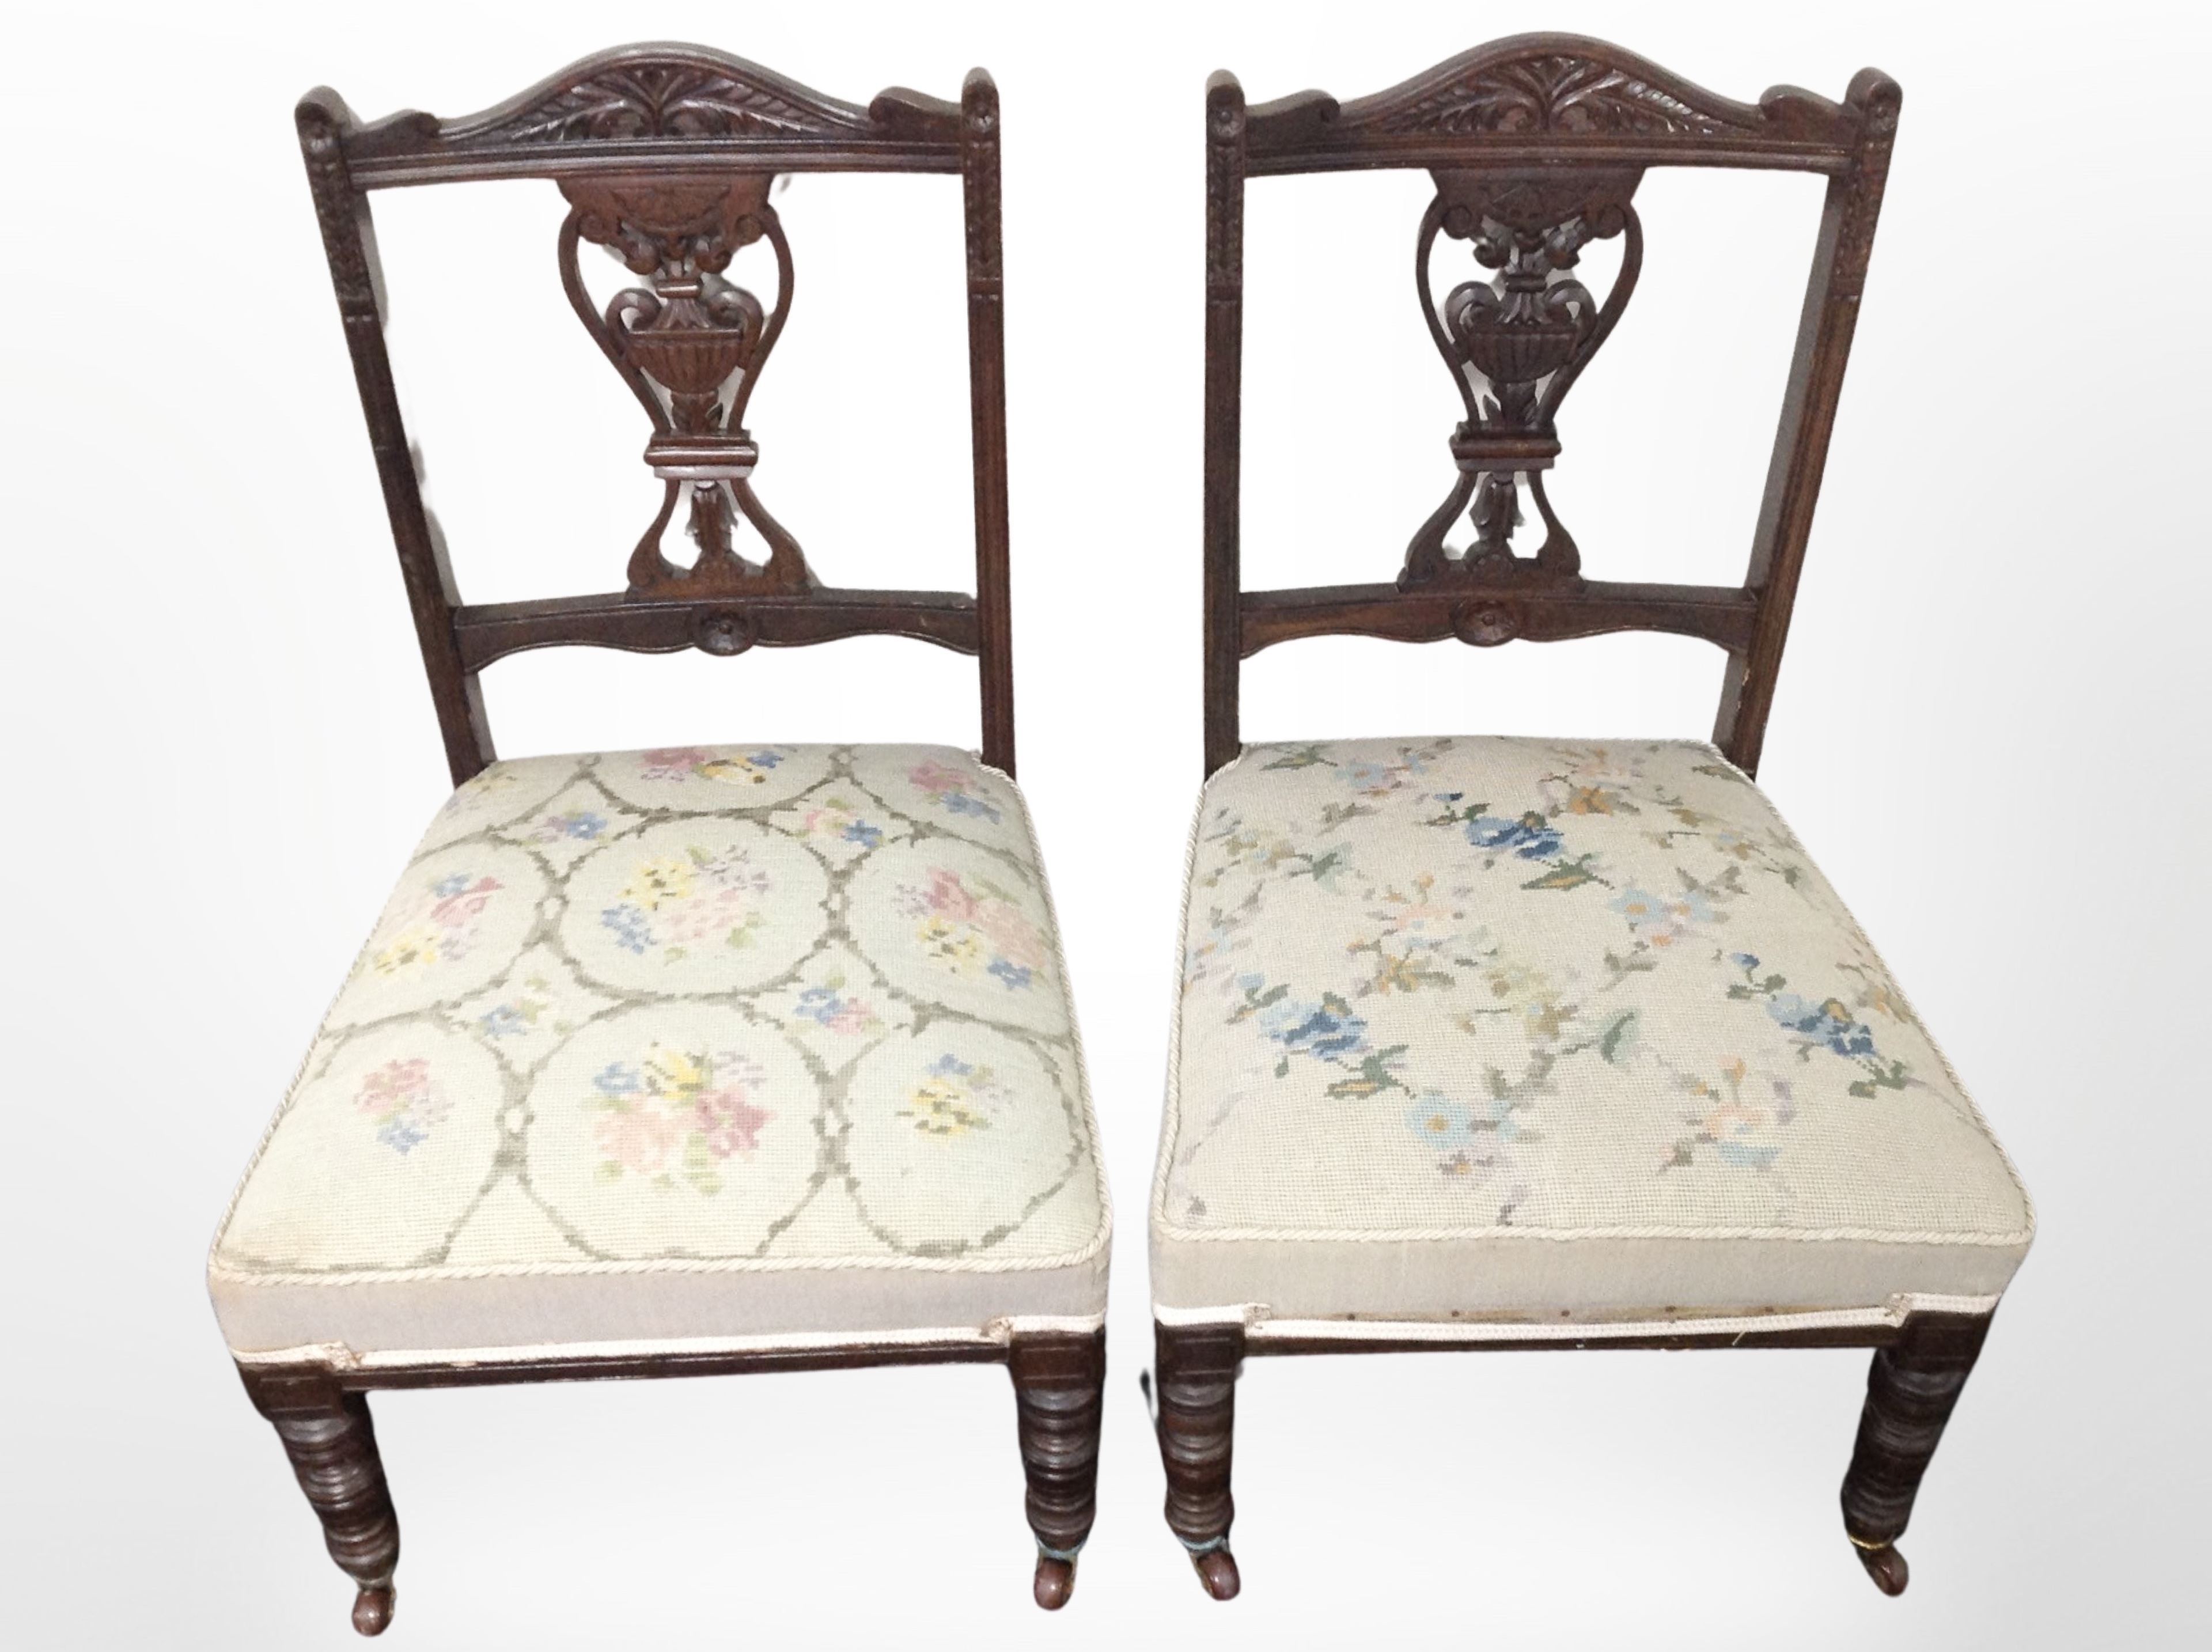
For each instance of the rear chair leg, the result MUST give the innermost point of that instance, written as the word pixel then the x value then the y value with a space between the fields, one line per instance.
pixel 328 1436
pixel 1058 1382
pixel 1910 1390
pixel 1198 1367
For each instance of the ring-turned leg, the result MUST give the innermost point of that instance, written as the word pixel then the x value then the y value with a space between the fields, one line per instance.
pixel 1911 1390
pixel 1197 1366
pixel 328 1436
pixel 1058 1384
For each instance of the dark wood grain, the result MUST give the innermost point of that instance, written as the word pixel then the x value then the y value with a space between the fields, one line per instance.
pixel 665 154
pixel 489 631
pixel 1911 1388
pixel 1535 145
pixel 987 402
pixel 1224 356
pixel 327 1434
pixel 1197 1368
pixel 1059 1391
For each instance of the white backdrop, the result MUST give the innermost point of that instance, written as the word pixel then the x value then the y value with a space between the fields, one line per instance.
pixel 1991 729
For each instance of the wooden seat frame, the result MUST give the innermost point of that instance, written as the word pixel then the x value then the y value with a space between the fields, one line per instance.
pixel 1536 143
pixel 666 154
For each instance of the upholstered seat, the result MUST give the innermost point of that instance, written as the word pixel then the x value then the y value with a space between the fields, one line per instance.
pixel 1548 1032
pixel 728 1045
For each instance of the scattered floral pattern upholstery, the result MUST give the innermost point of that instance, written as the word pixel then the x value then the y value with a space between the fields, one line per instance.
pixel 1517 1028
pixel 704 1043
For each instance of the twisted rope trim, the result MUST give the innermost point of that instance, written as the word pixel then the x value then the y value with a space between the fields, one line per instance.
pixel 1163 1227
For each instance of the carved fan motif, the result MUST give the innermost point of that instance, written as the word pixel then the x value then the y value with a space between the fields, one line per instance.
pixel 691 344
pixel 668 99
pixel 1515 342
pixel 1553 93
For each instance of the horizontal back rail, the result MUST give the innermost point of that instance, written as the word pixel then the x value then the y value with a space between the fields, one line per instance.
pixel 666 156
pixel 491 631
pixel 1719 613
pixel 1537 144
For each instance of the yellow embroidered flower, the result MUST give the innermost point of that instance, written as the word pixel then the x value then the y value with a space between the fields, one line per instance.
pixel 951 1100
pixel 955 943
pixel 938 1108
pixel 674 1075
pixel 414 947
pixel 665 878
pixel 730 771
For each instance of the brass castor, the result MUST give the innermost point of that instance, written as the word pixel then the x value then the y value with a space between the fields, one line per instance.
pixel 372 1609
pixel 1217 1570
pixel 1056 1581
pixel 1886 1566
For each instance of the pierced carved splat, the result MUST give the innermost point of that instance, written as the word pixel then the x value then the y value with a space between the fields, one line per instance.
pixel 691 343
pixel 1514 341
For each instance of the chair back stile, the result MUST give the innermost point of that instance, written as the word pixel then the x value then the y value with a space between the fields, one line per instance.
pixel 1537 145
pixel 665 154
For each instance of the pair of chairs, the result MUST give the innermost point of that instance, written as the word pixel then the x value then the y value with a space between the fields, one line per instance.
pixel 747 1058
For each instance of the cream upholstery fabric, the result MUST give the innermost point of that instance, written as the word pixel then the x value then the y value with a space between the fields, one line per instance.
pixel 681 1047
pixel 1534 1031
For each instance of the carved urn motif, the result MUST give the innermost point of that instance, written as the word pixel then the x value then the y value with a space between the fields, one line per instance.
pixel 692 343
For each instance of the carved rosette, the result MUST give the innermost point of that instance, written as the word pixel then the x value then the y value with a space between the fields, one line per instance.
pixel 691 343
pixel 1515 340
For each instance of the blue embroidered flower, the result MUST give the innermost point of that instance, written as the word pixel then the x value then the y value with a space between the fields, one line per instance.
pixel 503 1021
pixel 617 1079
pixel 1530 837
pixel 583 824
pixel 861 833
pixel 1747 1156
pixel 1744 960
pixel 1830 1024
pixel 960 803
pixel 1327 1030
pixel 1014 975
pixel 764 759
pixel 402 1132
pixel 632 929
pixel 446 888
pixel 950 1067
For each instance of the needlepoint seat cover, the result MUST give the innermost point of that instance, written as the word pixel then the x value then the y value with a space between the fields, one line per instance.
pixel 1531 1029
pixel 740 1043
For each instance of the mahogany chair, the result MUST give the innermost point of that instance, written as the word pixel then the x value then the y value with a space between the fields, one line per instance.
pixel 1494 1043
pixel 701 1060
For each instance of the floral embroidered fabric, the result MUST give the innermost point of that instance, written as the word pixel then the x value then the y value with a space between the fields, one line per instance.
pixel 1521 1026
pixel 737 1012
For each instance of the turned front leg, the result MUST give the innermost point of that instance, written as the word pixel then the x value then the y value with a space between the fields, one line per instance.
pixel 328 1436
pixel 1197 1366
pixel 1059 1381
pixel 1911 1388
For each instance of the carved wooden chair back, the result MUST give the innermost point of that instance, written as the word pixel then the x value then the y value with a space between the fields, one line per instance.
pixel 665 154
pixel 1537 144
